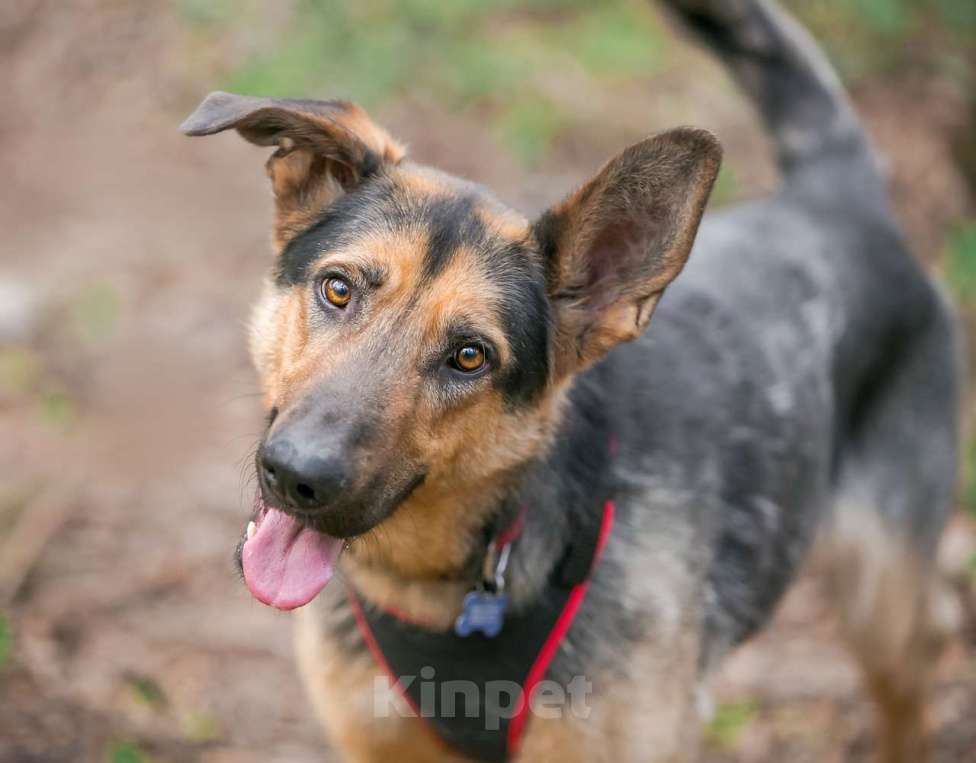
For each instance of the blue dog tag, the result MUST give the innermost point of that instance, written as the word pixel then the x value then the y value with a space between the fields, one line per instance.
pixel 482 611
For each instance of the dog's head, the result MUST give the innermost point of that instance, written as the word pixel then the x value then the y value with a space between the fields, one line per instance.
pixel 415 334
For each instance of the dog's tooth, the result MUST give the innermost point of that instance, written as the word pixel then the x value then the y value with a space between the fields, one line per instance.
pixel 251 530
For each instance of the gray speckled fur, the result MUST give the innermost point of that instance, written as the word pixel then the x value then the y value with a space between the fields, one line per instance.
pixel 801 358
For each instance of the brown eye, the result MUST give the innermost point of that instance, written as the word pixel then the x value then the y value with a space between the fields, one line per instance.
pixel 469 358
pixel 337 291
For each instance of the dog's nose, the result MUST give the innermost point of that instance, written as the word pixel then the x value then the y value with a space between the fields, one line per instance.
pixel 300 480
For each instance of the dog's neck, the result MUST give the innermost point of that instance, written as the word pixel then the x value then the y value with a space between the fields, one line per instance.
pixel 423 560
pixel 426 557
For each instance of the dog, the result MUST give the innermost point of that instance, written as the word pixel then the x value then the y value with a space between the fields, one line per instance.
pixel 519 490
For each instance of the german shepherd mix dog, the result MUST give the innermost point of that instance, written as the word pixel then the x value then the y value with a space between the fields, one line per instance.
pixel 526 497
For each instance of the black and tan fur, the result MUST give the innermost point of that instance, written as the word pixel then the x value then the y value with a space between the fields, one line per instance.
pixel 799 381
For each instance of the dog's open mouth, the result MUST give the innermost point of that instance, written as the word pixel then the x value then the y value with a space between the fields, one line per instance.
pixel 285 563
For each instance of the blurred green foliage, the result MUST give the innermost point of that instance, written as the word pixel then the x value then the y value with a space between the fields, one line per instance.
pixel 58 410
pixel 968 496
pixel 500 56
pixel 126 752
pixel 527 127
pixel 6 640
pixel 726 189
pixel 866 37
pixel 23 377
pixel 961 262
pixel 146 690
pixel 201 727
pixel 20 370
pixel 508 58
pixel 730 720
pixel 960 272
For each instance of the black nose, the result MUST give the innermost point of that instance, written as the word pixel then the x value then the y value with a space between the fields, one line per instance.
pixel 300 480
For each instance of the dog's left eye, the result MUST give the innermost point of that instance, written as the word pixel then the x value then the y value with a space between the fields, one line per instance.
pixel 336 291
pixel 469 358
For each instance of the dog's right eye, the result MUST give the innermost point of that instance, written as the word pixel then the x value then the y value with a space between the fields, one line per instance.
pixel 336 291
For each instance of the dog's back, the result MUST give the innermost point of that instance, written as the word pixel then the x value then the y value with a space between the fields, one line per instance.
pixel 836 365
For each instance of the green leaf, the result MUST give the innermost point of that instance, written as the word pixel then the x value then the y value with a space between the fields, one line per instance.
pixel 961 262
pixel 146 690
pixel 730 720
pixel 126 752
pixel 6 640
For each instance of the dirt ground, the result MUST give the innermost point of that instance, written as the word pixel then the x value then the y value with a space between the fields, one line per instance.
pixel 128 258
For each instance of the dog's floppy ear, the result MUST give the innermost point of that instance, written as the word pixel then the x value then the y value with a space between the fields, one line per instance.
pixel 324 149
pixel 612 247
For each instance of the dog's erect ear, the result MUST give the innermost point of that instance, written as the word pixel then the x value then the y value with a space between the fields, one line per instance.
pixel 613 246
pixel 324 149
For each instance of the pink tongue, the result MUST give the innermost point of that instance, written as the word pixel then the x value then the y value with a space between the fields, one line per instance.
pixel 286 564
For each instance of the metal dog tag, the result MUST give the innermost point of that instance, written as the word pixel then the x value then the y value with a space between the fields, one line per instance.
pixel 482 611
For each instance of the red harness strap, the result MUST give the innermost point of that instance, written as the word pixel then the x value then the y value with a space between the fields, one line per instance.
pixel 556 635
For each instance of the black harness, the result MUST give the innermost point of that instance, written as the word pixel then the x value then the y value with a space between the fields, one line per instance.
pixel 505 668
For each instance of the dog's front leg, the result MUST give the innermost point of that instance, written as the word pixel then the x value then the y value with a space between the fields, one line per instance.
pixel 646 713
pixel 362 717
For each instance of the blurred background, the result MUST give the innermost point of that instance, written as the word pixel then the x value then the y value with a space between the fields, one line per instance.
pixel 129 256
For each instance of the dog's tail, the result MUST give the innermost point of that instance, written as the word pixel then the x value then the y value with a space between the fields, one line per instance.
pixel 789 78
